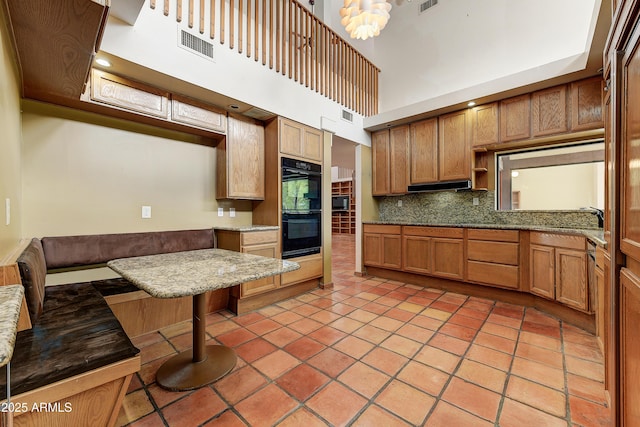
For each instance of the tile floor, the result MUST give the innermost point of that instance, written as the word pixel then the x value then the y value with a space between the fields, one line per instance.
pixel 371 352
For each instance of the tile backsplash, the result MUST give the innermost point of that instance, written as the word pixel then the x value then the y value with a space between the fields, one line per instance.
pixel 448 207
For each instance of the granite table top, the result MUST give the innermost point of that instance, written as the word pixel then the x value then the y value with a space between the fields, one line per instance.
pixel 10 303
pixel 187 273
pixel 248 228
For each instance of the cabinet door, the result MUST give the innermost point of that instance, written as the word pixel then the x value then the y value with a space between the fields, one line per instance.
pixel 391 251
pixel 265 284
pixel 399 159
pixel 586 104
pixel 380 163
pixel 417 253
pixel 629 348
pixel 447 257
pixel 454 151
pixel 240 163
pixel 372 249
pixel 571 278
pixel 542 271
pixel 484 125
pixel 423 151
pixel 600 320
pixel 312 147
pixel 549 111
pixel 515 121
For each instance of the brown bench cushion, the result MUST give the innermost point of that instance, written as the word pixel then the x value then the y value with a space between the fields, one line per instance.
pixel 75 251
pixel 76 333
pixel 33 271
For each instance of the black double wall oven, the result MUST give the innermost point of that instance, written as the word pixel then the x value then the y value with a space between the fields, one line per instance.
pixel 301 208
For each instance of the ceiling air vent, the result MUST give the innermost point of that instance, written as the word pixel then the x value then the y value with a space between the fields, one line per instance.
pixel 427 4
pixel 347 116
pixel 195 44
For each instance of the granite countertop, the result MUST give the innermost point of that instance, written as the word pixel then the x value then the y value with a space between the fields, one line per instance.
pixel 194 272
pixel 596 235
pixel 245 228
pixel 10 303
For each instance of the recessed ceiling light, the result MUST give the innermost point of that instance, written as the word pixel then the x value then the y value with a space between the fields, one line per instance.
pixel 103 62
pixel 234 106
pixel 471 104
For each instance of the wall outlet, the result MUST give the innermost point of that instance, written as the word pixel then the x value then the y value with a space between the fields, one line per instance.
pixel 232 212
pixel 146 212
pixel 220 211
pixel 399 203
pixel 476 201
pixel 7 211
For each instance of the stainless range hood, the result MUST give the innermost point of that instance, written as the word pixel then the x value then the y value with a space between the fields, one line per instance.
pixel 441 186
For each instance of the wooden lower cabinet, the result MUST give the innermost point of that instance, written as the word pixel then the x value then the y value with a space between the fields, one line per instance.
pixel 435 251
pixel 558 269
pixel 382 246
pixel 448 258
pixel 493 257
pixel 629 348
pixel 310 268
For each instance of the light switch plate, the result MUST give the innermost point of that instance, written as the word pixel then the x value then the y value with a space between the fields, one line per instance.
pixel 146 212
pixel 7 211
pixel 476 201
pixel 220 211
pixel 232 212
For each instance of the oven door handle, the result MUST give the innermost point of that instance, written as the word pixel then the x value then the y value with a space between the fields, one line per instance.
pixel 301 172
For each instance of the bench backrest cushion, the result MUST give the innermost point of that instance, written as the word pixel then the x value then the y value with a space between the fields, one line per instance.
pixel 33 273
pixel 75 251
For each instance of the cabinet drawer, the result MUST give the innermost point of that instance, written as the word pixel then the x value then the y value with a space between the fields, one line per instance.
pixel 493 274
pixel 259 237
pixel 381 229
pixel 494 235
pixel 559 240
pixel 495 252
pixel 455 233
pixel 310 268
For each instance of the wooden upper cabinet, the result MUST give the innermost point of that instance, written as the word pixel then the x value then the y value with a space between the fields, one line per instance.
pixel 586 104
pixel 454 152
pixel 515 118
pixel 549 111
pixel 300 141
pixel 193 113
pixel 240 161
pixel 380 153
pixel 424 151
pixel 399 159
pixel 484 125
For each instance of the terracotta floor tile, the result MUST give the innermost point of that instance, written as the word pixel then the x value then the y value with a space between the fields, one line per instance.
pixel 302 381
pixel 270 311
pixel 504 320
pixel 372 334
pixel 327 335
pixel 438 358
pixel 577 336
pixel 423 377
pixel 450 344
pixel 419 300
pixel 545 330
pixel 387 323
pixel 263 326
pixel 286 317
pixel 538 354
pixel 236 337
pixel 472 313
pixel 588 413
pixel 134 406
pixel 416 333
pixel 500 330
pixel 375 308
pixel 375 416
pixel 240 384
pixel 176 329
pixel 369 296
pixel 226 419
pixel 538 372
pixel 516 414
pixel 347 325
pixel 304 348
pixel 446 415
pixel 254 349
pixel 401 315
pixel 305 326
pixel 266 407
pixel 426 322
pixel 306 310
pixel 148 371
pixel 466 321
pixel 472 398
pixel 182 342
pixel 583 352
pixel 458 331
pixel 322 303
pixel 401 345
pixel 490 357
pixel 479 304
pixel 585 368
pixel 354 346
pixel 436 314
pixel 389 302
pixel 397 295
pixel 222 328
pixel 247 319
pixel 509 310
pixel 302 417
pixel 536 316
pixel 200 406
pixel 156 351
pixel 586 389
pixel 325 316
pixel 385 360
pixel 146 339
pixel 396 396
pixel 331 362
pixel 444 306
pixel 495 342
pixel 337 404
pixel 281 337
pixel 341 309
pixel 544 398
pixel 540 341
pixel 134 384
pixel 482 375
pixel 364 379
pixel 362 315
pixel 275 364
pixel 162 397
pixel 356 302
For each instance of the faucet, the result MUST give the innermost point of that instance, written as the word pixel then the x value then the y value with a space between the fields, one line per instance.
pixel 600 214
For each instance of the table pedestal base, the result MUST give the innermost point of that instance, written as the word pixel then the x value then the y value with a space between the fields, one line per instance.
pixel 181 373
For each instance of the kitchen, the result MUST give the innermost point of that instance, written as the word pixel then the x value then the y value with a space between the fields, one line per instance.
pixel 172 199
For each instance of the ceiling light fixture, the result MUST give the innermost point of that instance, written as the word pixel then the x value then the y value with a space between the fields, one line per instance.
pixel 364 18
pixel 471 104
pixel 103 62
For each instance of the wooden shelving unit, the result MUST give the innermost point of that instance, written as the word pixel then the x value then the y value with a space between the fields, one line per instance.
pixel 480 169
pixel 344 222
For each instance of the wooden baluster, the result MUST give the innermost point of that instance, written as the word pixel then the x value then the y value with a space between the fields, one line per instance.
pixel 179 11
pixel 191 11
pixel 256 33
pixel 291 34
pixel 166 7
pixel 152 3
pixel 271 33
pixel 264 32
pixel 307 48
pixel 240 31
pixel 202 12
pixel 318 55
pixel 294 41
pixel 278 29
pixel 223 18
pixel 212 22
pixel 232 23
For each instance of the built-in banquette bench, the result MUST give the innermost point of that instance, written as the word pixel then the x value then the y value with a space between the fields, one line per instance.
pixel 77 359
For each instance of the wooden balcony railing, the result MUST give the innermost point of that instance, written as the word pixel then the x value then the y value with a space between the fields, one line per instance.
pixel 288 39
